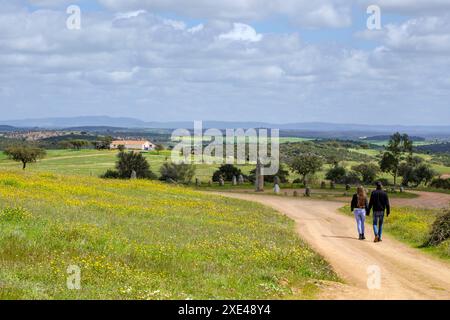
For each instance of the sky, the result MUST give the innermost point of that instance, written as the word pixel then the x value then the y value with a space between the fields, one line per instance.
pixel 278 61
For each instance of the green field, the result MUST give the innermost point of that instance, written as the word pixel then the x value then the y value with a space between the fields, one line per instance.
pixel 145 240
pixel 94 163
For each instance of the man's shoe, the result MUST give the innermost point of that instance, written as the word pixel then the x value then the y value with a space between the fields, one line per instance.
pixel 379 240
pixel 376 239
pixel 360 236
pixel 363 237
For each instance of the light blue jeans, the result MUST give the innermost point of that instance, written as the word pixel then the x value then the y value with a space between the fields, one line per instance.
pixel 360 216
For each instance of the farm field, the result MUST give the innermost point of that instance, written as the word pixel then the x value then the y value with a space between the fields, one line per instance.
pixel 145 240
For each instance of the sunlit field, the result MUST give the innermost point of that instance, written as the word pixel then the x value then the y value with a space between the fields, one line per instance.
pixel 145 240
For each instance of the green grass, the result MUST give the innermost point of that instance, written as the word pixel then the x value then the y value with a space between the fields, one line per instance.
pixel 412 226
pixel 145 240
pixel 95 162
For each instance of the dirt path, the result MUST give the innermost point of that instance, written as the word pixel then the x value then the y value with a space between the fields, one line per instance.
pixel 425 200
pixel 406 273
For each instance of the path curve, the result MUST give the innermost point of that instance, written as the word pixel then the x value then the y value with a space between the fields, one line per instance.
pixel 406 273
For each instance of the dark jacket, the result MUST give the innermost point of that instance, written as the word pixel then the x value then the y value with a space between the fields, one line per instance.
pixel 354 204
pixel 379 202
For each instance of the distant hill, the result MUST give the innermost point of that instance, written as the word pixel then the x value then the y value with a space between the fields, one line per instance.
pixel 387 137
pixel 342 130
pixel 5 128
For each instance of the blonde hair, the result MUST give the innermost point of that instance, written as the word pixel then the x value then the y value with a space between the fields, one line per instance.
pixel 362 197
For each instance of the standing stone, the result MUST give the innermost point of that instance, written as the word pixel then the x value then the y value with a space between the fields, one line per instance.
pixel 402 189
pixel 234 181
pixel 332 185
pixel 241 179
pixel 307 192
pixel 197 182
pixel 209 183
pixel 347 187
pixel 295 194
pixel 221 182
pixel 285 193
pixel 133 174
pixel 276 189
pixel 259 178
pixel 323 185
pixel 276 180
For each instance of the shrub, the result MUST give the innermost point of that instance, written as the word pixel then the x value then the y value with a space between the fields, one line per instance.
pixel 227 171
pixel 440 230
pixel 127 163
pixel 282 174
pixel 110 174
pixel 336 174
pixel 182 173
pixel 441 183
pixel 368 171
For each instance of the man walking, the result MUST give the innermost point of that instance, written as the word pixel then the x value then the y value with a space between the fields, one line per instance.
pixel 379 202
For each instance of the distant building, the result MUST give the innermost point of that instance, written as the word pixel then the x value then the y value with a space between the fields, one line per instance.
pixel 133 144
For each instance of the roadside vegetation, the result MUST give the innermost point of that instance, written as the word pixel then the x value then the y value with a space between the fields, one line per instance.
pixel 415 227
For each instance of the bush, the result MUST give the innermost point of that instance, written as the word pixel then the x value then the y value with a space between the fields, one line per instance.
pixel 336 174
pixel 226 171
pixel 368 172
pixel 440 230
pixel 110 174
pixel 127 163
pixel 182 173
pixel 282 174
pixel 441 183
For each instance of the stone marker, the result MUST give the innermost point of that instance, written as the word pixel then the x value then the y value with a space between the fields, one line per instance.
pixel 307 192
pixel 234 181
pixel 332 185
pixel 402 189
pixel 276 189
pixel 241 179
pixel 133 174
pixel 259 178
pixel 276 180
pixel 323 185
pixel 347 187
pixel 295 194
pixel 221 182
pixel 197 182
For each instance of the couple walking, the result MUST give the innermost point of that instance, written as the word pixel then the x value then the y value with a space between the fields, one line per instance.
pixel 361 207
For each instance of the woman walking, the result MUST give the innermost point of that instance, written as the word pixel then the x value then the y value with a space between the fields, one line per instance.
pixel 360 207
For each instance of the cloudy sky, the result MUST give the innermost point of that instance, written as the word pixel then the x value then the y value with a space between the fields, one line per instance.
pixel 240 60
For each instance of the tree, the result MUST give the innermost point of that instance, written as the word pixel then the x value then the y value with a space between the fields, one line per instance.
pixel 282 174
pixel 103 143
pixel 368 172
pixel 159 148
pixel 336 174
pixel 226 171
pixel 399 148
pixel 306 164
pixel 25 154
pixel 182 173
pixel 75 144
pixel 131 161
pixel 416 173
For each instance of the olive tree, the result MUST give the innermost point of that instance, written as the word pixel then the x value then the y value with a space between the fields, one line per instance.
pixel 25 154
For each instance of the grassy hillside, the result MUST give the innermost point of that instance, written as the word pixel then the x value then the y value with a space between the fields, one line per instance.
pixel 144 240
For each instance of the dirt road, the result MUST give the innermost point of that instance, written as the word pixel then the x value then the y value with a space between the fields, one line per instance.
pixel 406 273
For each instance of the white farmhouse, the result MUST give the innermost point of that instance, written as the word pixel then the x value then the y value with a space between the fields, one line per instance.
pixel 133 144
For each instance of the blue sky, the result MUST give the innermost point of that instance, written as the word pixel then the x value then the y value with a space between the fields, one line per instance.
pixel 250 60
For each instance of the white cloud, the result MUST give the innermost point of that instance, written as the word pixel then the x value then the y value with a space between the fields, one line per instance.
pixel 241 32
pixel 149 66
